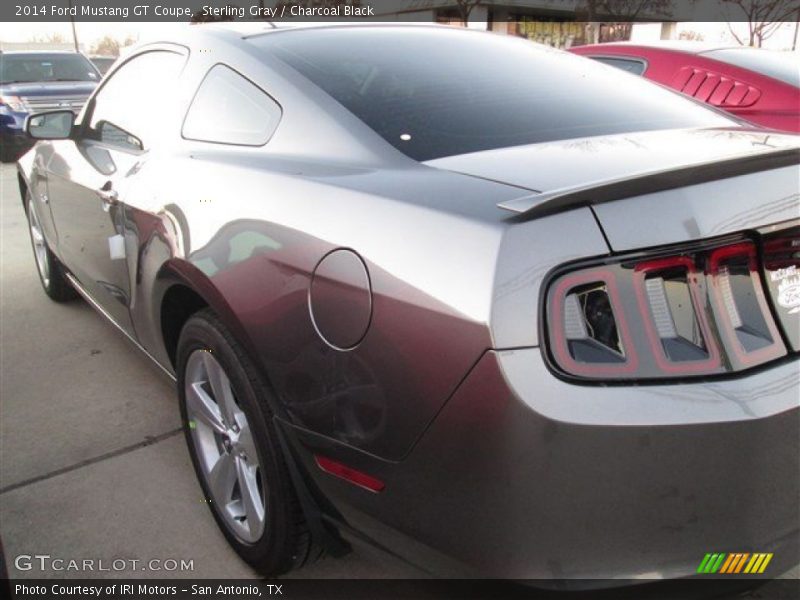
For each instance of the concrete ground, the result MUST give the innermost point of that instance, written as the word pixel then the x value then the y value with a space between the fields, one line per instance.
pixel 92 463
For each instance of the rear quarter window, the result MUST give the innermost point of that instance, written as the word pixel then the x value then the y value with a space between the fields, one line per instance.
pixel 229 109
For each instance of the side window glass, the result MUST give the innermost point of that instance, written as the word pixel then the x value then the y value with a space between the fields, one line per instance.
pixel 124 113
pixel 636 67
pixel 229 109
pixel 108 133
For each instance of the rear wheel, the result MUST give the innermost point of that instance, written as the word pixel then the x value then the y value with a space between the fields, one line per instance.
pixel 51 273
pixel 234 447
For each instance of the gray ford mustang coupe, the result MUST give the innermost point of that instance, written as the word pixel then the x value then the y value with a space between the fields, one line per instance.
pixel 489 306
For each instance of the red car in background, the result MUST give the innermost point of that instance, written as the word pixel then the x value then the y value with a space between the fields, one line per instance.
pixel 761 86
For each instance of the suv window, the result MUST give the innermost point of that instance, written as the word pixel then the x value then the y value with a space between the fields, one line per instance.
pixel 626 64
pixel 124 115
pixel 25 68
pixel 436 92
pixel 229 109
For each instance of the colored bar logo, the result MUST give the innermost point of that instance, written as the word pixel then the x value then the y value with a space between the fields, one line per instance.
pixel 733 563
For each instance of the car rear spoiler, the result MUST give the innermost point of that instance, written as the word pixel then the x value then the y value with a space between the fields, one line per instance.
pixel 607 190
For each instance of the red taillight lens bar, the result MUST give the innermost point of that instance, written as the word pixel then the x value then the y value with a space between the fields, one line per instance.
pixel 684 313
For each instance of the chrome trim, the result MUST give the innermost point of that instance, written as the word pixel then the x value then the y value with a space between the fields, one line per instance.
pixel 94 304
pixel 38 103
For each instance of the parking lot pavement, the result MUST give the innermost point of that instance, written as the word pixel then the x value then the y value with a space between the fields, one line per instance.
pixel 92 464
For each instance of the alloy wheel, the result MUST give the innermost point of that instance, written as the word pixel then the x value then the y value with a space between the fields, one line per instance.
pixel 39 246
pixel 223 442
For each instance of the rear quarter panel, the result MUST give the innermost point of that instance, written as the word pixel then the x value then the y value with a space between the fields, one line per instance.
pixel 254 244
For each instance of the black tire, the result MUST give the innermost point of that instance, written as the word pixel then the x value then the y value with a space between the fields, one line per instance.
pixel 8 154
pixel 55 283
pixel 286 542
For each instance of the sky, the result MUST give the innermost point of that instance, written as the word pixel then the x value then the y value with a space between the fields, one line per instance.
pixel 719 32
pixel 90 33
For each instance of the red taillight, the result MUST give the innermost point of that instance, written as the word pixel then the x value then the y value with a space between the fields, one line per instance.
pixel 349 474
pixel 741 307
pixel 678 332
pixel 781 249
pixel 689 312
pixel 592 343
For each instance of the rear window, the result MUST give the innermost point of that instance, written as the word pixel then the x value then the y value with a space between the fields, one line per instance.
pixel 27 68
pixel 783 66
pixel 434 92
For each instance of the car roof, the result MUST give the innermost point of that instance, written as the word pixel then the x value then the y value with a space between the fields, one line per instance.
pixel 238 32
pixel 247 29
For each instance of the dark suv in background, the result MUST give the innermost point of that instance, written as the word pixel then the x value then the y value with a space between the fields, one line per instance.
pixel 102 63
pixel 35 82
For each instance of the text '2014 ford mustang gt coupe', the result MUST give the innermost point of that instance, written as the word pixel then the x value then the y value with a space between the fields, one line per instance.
pixel 488 305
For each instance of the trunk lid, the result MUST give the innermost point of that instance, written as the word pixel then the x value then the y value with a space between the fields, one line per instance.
pixel 663 217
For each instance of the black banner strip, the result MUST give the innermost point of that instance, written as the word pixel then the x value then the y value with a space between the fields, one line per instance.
pixel 385 10
pixel 402 589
